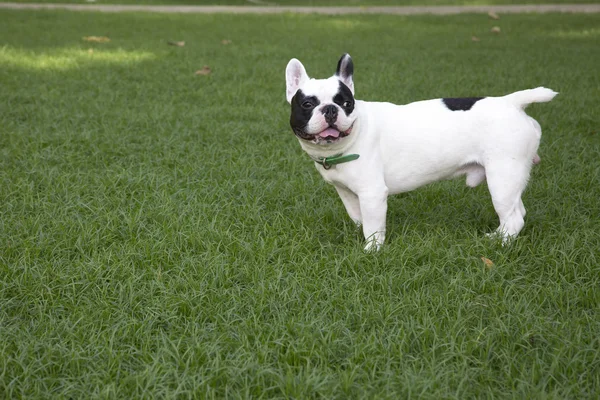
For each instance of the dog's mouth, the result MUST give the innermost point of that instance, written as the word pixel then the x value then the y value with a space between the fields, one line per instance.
pixel 329 135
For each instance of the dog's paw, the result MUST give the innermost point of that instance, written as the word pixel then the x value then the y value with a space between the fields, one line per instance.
pixel 372 246
pixel 500 236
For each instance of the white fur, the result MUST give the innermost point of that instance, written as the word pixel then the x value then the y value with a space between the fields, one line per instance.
pixel 403 147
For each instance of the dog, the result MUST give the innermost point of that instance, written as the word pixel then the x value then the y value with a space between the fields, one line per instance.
pixel 369 150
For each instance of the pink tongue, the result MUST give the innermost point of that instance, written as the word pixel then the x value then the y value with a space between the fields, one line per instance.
pixel 329 132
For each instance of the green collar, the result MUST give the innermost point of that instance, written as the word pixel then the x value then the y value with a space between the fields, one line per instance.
pixel 328 162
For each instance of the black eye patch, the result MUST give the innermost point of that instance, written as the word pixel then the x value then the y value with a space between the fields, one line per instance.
pixel 344 95
pixel 301 115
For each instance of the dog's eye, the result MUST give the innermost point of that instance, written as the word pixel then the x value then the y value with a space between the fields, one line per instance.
pixel 347 104
pixel 307 105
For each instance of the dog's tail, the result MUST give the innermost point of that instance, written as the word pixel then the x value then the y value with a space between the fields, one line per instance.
pixel 525 97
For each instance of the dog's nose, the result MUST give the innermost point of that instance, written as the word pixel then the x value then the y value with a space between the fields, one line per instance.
pixel 330 112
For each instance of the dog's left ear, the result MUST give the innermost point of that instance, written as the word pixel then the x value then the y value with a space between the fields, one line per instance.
pixel 345 70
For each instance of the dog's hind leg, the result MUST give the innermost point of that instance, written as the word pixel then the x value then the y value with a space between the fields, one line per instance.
pixel 507 180
pixel 522 208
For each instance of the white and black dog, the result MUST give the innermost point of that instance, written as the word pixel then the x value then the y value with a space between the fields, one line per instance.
pixel 369 150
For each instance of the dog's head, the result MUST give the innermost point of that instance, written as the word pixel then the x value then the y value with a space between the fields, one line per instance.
pixel 322 109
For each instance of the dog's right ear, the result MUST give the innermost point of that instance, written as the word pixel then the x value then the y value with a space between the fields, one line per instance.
pixel 295 76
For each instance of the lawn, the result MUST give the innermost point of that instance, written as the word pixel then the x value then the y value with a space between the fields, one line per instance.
pixel 312 2
pixel 164 236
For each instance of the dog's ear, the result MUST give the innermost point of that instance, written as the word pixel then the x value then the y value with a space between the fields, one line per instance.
pixel 295 76
pixel 345 70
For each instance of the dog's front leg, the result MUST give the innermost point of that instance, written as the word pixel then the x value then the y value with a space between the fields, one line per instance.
pixel 373 207
pixel 351 203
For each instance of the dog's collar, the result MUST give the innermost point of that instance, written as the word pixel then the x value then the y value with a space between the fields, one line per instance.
pixel 328 162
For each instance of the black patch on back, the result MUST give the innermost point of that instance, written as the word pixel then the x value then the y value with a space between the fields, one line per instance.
pixel 300 116
pixel 344 95
pixel 461 103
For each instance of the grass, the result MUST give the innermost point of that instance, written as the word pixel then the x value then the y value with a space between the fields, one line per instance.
pixel 314 2
pixel 163 235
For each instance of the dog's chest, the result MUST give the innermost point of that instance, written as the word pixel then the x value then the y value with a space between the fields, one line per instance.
pixel 330 176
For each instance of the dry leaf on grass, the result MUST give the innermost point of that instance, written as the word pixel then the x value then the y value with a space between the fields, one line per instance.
pixel 495 29
pixel 97 39
pixel 178 44
pixel 475 38
pixel 90 51
pixel 225 41
pixel 204 71
pixel 493 15
pixel 488 263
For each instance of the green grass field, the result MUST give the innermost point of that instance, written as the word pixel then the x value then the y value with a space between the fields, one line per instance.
pixel 164 236
pixel 312 2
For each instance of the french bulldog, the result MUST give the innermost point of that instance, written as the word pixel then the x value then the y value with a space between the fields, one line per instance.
pixel 369 150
